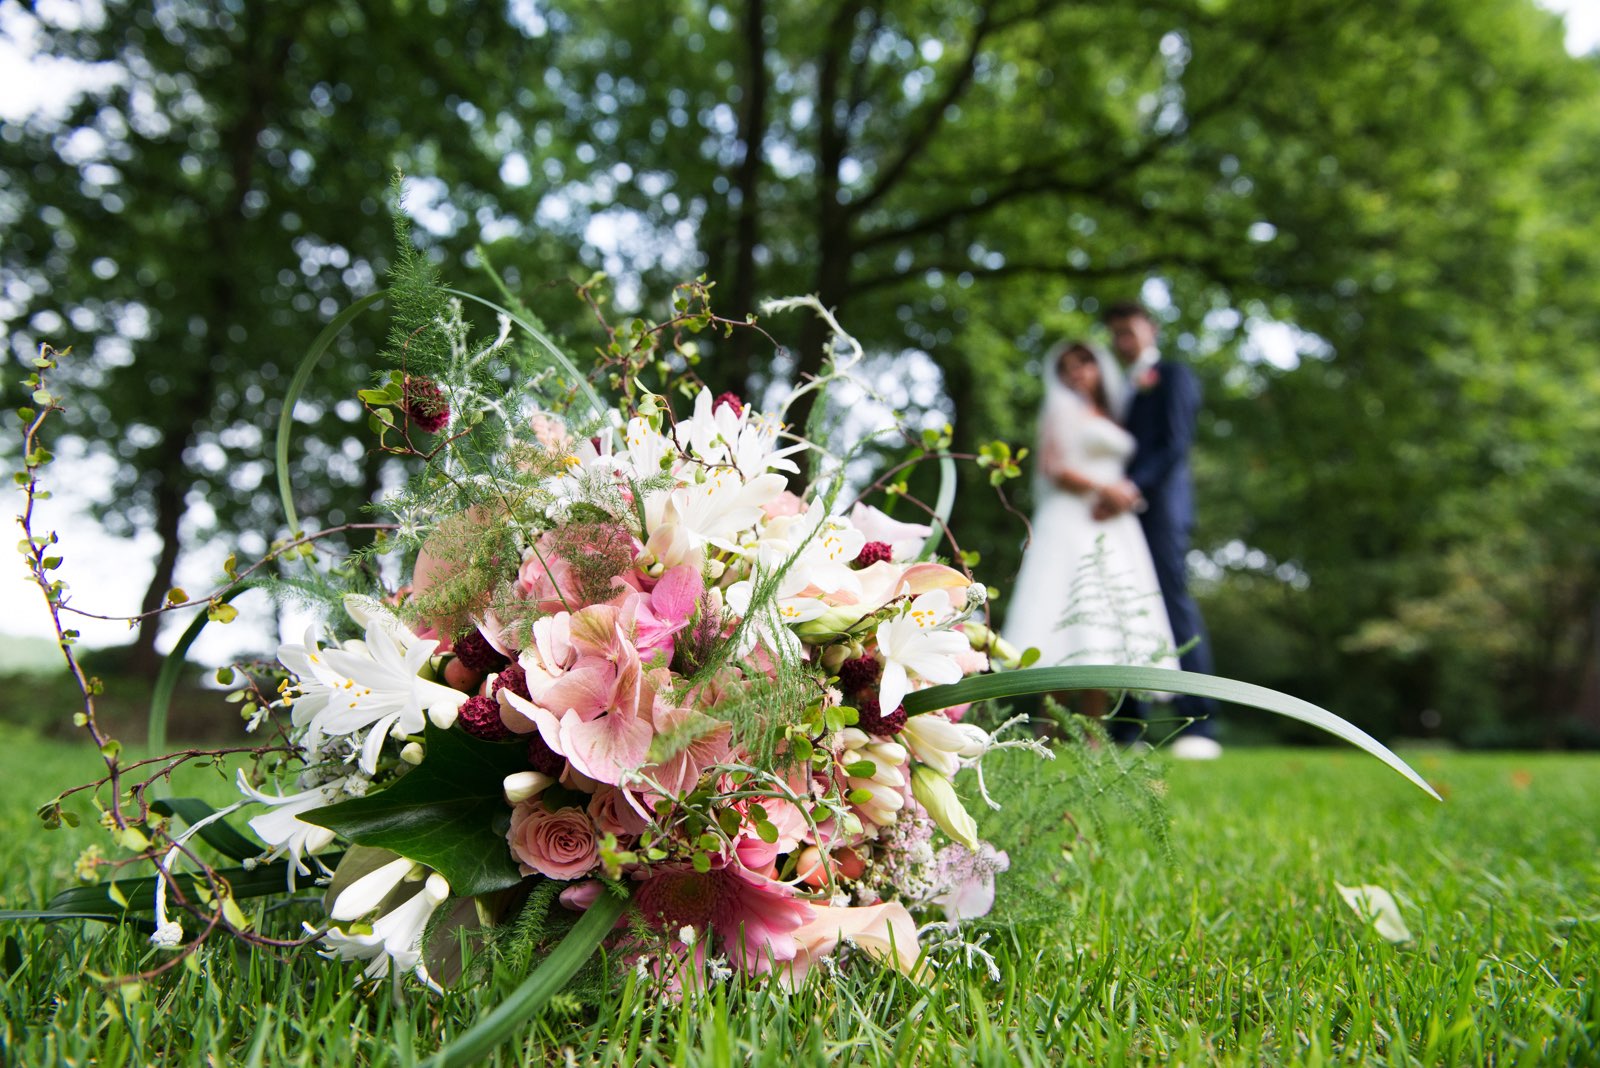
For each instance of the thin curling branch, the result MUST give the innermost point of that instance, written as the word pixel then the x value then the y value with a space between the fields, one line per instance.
pixel 35 457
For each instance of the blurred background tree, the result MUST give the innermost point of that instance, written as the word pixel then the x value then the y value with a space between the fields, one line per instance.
pixel 1372 228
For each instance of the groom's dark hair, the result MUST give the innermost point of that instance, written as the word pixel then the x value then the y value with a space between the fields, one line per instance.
pixel 1125 309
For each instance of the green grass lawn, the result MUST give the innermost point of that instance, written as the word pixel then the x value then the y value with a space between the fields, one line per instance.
pixel 1224 942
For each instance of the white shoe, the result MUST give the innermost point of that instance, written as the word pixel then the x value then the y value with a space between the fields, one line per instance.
pixel 1194 747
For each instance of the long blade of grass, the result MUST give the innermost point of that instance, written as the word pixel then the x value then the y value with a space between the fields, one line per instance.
pixel 548 979
pixel 297 384
pixel 943 505
pixel 1156 680
pixel 167 680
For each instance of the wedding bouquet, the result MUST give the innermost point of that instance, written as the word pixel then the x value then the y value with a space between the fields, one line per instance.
pixel 649 662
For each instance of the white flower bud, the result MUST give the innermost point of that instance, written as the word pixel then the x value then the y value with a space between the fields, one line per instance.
pixel 887 753
pixel 938 796
pixel 412 753
pixel 525 784
pixel 363 895
pixel 437 888
pixel 853 738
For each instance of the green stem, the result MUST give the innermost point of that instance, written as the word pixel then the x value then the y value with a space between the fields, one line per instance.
pixel 547 980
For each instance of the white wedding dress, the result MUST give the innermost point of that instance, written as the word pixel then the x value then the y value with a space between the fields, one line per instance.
pixel 1087 592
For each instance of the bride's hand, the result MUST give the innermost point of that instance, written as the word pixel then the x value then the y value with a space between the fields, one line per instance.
pixel 1114 500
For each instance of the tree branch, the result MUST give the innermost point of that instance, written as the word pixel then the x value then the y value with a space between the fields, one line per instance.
pixel 933 115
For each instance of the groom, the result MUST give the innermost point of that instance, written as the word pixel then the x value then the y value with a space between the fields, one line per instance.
pixel 1159 407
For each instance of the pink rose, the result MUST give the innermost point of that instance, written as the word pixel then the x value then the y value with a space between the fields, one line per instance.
pixel 559 844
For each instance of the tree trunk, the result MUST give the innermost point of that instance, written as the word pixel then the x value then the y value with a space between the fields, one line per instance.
pixel 263 71
pixel 169 506
pixel 752 138
pixel 835 243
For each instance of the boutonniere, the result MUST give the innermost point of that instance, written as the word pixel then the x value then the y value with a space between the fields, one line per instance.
pixel 1149 379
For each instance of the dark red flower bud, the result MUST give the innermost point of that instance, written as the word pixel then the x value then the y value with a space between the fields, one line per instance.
pixel 874 552
pixel 873 721
pixel 474 651
pixel 424 404
pixel 480 717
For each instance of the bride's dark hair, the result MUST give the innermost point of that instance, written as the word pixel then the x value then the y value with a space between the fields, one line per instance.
pixel 1080 350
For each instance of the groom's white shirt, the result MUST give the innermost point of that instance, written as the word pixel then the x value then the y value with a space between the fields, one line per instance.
pixel 1130 381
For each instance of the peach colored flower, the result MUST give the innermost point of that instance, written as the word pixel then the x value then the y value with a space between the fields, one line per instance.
pixel 611 812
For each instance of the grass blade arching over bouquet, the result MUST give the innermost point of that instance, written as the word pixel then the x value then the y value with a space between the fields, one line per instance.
pixel 1156 680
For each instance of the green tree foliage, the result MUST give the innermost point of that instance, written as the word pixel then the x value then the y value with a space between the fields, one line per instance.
pixel 1409 185
pixel 193 223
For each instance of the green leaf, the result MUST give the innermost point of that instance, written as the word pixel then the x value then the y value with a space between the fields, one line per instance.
pixel 103 901
pixel 1155 680
pixel 448 813
pixel 552 975
pixel 217 834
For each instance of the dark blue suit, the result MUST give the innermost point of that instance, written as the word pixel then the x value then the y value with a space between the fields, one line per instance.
pixel 1162 421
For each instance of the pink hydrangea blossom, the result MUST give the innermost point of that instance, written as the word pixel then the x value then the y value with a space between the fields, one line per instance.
pixel 548 578
pixel 666 610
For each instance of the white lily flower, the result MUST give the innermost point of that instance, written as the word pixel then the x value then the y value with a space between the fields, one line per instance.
pixel 746 440
pixel 368 892
pixel 718 509
pixel 376 686
pixel 646 450
pixel 916 644
pixel 770 625
pixel 826 546
pixel 282 828
pixel 396 936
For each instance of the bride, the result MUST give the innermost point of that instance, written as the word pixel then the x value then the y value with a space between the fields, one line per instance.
pixel 1087 592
